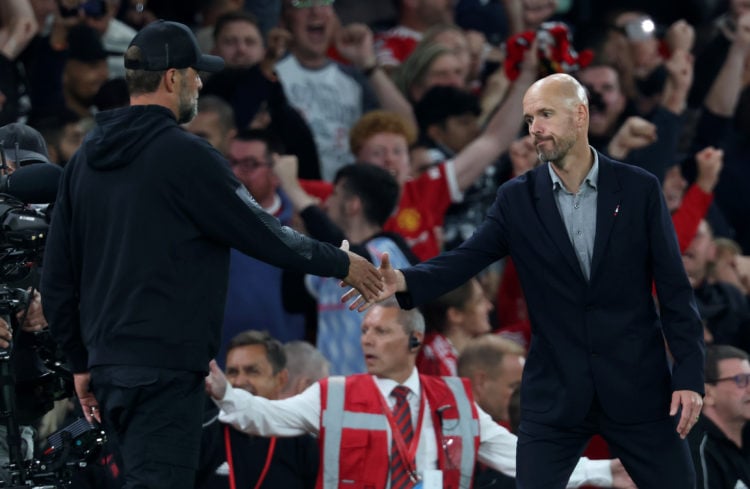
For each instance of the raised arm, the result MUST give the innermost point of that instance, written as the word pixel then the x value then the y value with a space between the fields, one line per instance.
pixel 295 416
pixel 725 90
pixel 355 43
pixel 19 26
pixel 501 130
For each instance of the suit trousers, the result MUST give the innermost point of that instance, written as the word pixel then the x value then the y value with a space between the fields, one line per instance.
pixel 652 452
pixel 153 416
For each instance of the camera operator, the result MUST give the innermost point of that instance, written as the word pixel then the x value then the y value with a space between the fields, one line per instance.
pixel 33 322
pixel 22 145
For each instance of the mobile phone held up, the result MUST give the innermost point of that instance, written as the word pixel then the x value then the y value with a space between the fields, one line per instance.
pixel 91 8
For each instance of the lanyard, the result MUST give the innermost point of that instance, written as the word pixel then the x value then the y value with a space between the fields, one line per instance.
pixel 407 457
pixel 230 462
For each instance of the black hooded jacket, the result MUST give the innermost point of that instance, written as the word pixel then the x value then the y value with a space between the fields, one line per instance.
pixel 136 262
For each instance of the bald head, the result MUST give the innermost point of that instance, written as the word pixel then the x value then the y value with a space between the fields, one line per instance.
pixel 563 87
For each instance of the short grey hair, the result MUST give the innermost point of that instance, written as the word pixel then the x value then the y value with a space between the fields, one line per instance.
pixel 411 319
pixel 303 359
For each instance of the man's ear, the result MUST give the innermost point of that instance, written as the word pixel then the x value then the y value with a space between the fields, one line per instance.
pixel 477 380
pixel 709 399
pixel 353 205
pixel 435 132
pixel 582 115
pixel 283 377
pixel 454 314
pixel 170 80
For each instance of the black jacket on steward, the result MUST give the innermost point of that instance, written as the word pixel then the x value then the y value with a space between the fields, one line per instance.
pixel 137 257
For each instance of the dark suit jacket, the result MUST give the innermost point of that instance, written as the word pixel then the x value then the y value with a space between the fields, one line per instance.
pixel 600 337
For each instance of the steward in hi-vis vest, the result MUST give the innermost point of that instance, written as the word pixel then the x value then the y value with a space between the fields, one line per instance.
pixel 354 430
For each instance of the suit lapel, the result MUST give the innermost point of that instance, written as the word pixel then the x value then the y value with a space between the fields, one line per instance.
pixel 607 209
pixel 552 220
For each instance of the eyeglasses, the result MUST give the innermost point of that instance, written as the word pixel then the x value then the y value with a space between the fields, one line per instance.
pixel 741 380
pixel 311 3
pixel 248 164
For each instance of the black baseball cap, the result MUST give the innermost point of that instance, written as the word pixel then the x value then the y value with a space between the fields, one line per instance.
pixel 23 144
pixel 165 44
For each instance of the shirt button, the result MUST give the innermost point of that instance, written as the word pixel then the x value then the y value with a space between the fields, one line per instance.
pixel 579 233
pixel 576 205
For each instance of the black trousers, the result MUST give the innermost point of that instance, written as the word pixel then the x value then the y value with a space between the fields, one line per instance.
pixel 154 417
pixel 652 452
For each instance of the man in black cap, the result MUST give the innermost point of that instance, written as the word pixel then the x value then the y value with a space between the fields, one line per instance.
pixel 137 256
pixel 21 145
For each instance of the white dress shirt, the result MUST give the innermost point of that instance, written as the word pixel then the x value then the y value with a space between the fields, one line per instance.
pixel 300 415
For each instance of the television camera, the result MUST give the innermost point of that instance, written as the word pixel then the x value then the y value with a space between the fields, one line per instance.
pixel 32 371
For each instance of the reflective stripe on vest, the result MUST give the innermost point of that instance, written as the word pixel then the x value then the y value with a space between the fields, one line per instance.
pixel 467 428
pixel 335 419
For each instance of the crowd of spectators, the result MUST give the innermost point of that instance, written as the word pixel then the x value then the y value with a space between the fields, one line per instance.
pixel 392 127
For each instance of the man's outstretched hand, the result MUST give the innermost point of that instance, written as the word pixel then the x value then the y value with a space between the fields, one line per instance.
pixel 393 281
pixel 216 382
pixel 363 276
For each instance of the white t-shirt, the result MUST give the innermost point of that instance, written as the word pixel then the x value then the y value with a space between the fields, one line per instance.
pixel 331 99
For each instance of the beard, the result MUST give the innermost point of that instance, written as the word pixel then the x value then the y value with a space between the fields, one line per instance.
pixel 187 108
pixel 559 151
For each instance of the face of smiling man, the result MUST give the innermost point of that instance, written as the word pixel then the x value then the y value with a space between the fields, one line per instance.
pixel 312 23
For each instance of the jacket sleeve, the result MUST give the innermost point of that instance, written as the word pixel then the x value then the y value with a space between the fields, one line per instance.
pixel 224 210
pixel 448 270
pixel 320 226
pixel 60 285
pixel 679 313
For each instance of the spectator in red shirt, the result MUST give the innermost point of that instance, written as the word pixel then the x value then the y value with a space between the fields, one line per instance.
pixel 452 321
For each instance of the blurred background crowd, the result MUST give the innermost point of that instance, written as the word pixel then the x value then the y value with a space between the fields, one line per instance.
pixel 391 123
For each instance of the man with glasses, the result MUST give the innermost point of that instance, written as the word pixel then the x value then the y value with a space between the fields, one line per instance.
pixel 720 442
pixel 255 287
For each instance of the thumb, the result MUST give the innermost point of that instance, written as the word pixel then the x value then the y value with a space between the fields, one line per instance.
pixel 344 245
pixel 214 367
pixel 385 261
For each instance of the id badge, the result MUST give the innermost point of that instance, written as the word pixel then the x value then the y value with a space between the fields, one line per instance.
pixel 431 479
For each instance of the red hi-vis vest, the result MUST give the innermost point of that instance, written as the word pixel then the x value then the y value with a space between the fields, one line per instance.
pixel 355 435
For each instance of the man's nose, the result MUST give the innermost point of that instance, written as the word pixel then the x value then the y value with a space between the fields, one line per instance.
pixel 366 338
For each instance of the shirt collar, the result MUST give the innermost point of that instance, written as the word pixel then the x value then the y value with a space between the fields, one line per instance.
pixel 387 385
pixel 592 178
